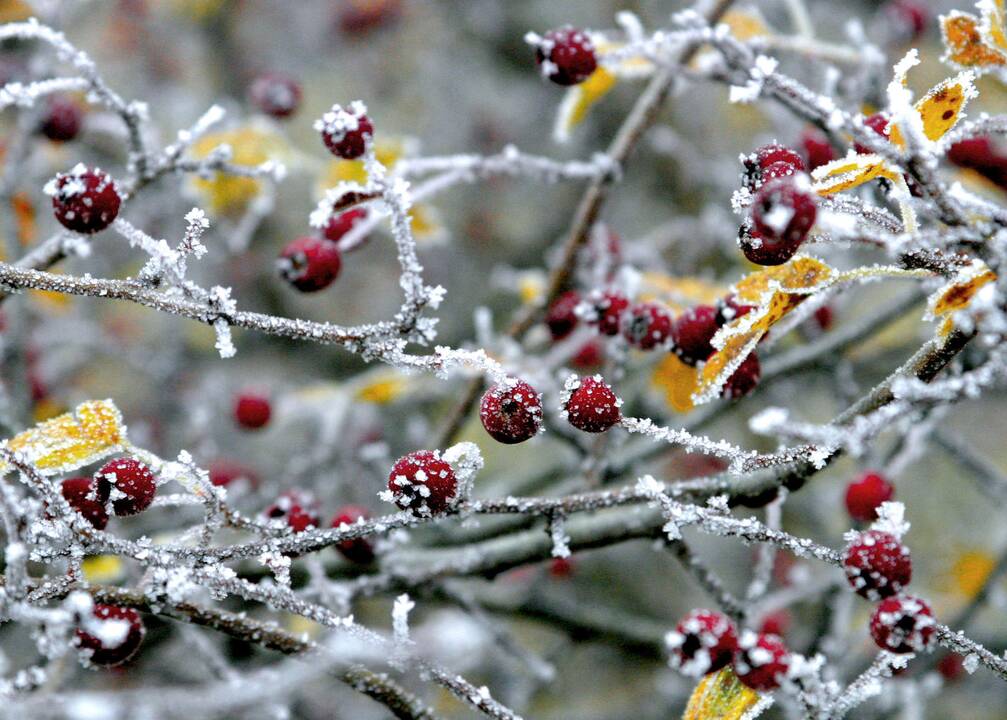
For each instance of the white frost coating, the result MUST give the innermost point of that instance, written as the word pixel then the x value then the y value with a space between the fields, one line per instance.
pixel 891 519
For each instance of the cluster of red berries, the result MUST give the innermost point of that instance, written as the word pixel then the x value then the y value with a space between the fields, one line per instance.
pixel 783 209
pixel 692 337
pixel 423 483
pixel 119 638
pixel 705 641
pixel 300 510
pixel 566 56
pixel 134 489
pixel 85 200
pixel 275 94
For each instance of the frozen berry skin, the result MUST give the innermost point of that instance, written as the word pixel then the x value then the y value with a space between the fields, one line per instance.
pixel 704 641
pixel 119 631
pixel 903 624
pixel 744 380
pixel 763 249
pixel 297 509
pixel 877 565
pixel 730 309
pixel 591 405
pixel 84 200
pixel 784 211
pixel 82 495
pixel 309 263
pixel 134 484
pixel 62 119
pixel 275 94
pixel 341 223
pixel 607 307
pixel 346 131
pixel 879 124
pixel 423 483
pixel 561 317
pixel 864 496
pixel 565 56
pixel 647 325
pixel 252 411
pixel 762 661
pixel 818 150
pixel 511 412
pixel 766 156
pixel 358 550
pixel 224 472
pixel 692 332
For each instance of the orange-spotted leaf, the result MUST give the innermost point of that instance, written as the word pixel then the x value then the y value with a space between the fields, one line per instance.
pixel 850 172
pixel 968 46
pixel 941 107
pixel 720 696
pixel 957 294
pixel 677 380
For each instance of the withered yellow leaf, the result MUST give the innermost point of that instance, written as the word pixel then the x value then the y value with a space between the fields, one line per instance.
pixel 957 294
pixel 967 46
pixel 941 107
pixel 677 380
pixel 579 99
pixel 720 696
pixel 849 172
pixel 802 274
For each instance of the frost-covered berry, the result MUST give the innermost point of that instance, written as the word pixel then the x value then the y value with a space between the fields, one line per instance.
pixel 879 124
pixel 763 249
pixel 903 624
pixel 704 641
pixel 784 211
pixel 817 149
pixel 297 509
pixel 511 411
pixel 62 119
pixel 423 483
pixel 745 379
pixel 864 496
pixel 606 309
pixel 111 635
pixel 561 317
pixel 309 263
pixel 345 131
pixel 647 325
pixel 566 55
pixel 730 309
pixel 84 200
pixel 877 565
pixel 762 661
pixel 275 94
pixel 692 332
pixel 590 404
pixel 252 410
pixel 358 550
pixel 82 495
pixel 764 157
pixel 128 482
pixel 341 223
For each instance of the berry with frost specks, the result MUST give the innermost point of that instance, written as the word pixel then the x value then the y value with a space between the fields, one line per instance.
pixel 275 94
pixel 310 264
pixel 297 509
pixel 62 119
pixel 903 624
pixel 82 495
pixel 877 122
pixel 607 307
pixel 704 641
pixel 784 211
pixel 762 661
pixel 341 223
pixel 252 410
pixel 133 483
pixel 565 56
pixel 692 332
pixel 864 496
pixel 423 483
pixel 112 636
pixel 591 405
pixel 763 249
pixel 647 325
pixel 818 150
pixel 756 163
pixel 877 565
pixel 346 131
pixel 511 412
pixel 561 317
pixel 358 550
pixel 730 309
pixel 745 379
pixel 84 200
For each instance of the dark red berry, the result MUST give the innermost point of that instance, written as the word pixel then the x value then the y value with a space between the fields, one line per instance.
pixel 345 131
pixel 762 661
pixel 62 119
pixel 276 94
pixel 818 150
pixel 590 404
pixel 111 636
pixel 703 642
pixel 784 211
pixel 864 496
pixel 647 325
pixel 566 56
pixel 764 249
pixel 511 411
pixel 82 495
pixel 358 17
pixel 745 378
pixel 607 307
pixel 423 483
pixel 951 667
pixel 562 568
pixel 756 163
pixel 340 224
pixel 776 623
pixel 252 411
pixel 297 509
pixel 129 483
pixel 84 200
pixel 692 332
pixel 561 317
pixel 310 263
pixel 223 472
pixel 591 355
pixel 879 124
pixel 358 550
pixel 824 317
pixel 910 16
pixel 976 152
pixel 778 170
pixel 903 624
pixel 729 309
pixel 877 565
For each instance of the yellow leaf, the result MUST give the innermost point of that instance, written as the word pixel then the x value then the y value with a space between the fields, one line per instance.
pixel 720 696
pixel 677 380
pixel 801 274
pixel 968 46
pixel 957 294
pixel 680 293
pixel 849 172
pixel 250 145
pixel 941 107
pixel 102 568
pixel 383 389
pixel 579 99
pixel 425 222
pixel 745 24
pixel 15 11
pixel 970 570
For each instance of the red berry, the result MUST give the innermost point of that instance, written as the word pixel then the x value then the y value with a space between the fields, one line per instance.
pixel 134 484
pixel 82 495
pixel 902 624
pixel 252 411
pixel 729 309
pixel 778 170
pixel 764 249
pixel 111 636
pixel 877 565
pixel 561 568
pixel 879 124
pixel 511 411
pixel 976 152
pixel 776 623
pixel 607 307
pixel 224 472
pixel 357 17
pixel 84 200
pixel 340 224
pixel 703 642
pixel 590 404
pixel 692 332
pixel 345 132
pixel 358 550
pixel 647 325
pixel 817 149
pixel 422 482
pixel 951 667
pixel 297 509
pixel 745 378
pixel 276 94
pixel 911 16
pixel 765 156
pixel 762 661
pixel 566 56
pixel 561 317
pixel 824 317
pixel 783 211
pixel 864 496
pixel 591 355
pixel 62 119
pixel 309 263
